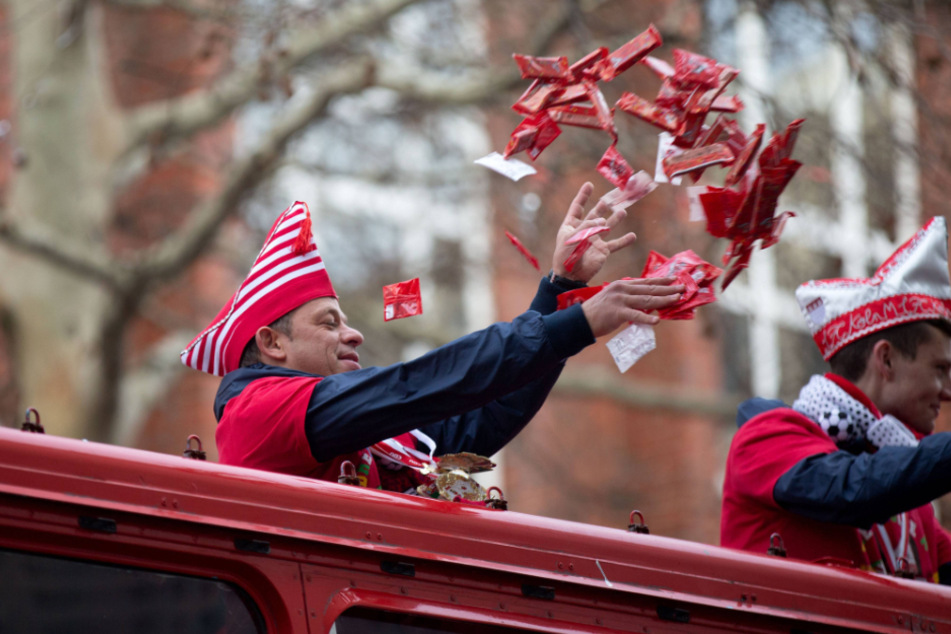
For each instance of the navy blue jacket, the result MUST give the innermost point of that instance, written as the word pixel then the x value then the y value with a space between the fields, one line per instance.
pixel 861 489
pixel 473 394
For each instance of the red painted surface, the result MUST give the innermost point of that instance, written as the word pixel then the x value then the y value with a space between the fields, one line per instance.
pixel 327 542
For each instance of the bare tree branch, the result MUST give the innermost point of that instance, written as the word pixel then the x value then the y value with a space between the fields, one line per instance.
pixel 81 261
pixel 177 252
pixel 188 7
pixel 183 116
pixel 440 88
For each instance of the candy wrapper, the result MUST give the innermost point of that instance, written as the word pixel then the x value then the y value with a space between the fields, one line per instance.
pixel 402 300
pixel 614 168
pixel 510 168
pixel 660 68
pixel 742 210
pixel 583 240
pixel 563 94
pixel 542 67
pixel 665 150
pixel 453 481
pixel 538 96
pixel 646 111
pixel 533 135
pixel 630 345
pixel 577 296
pixel 745 156
pixel 575 115
pixel 631 53
pixel 637 187
pixel 696 158
pixel 745 212
pixel 523 250
pixel 693 272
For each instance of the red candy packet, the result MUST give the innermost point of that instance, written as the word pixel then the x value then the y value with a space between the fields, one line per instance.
pixel 578 295
pixel 533 135
pixel 614 168
pixel 631 53
pixel 524 251
pixel 693 272
pixel 542 67
pixel 538 96
pixel 402 300
pixel 697 158
pixel 655 115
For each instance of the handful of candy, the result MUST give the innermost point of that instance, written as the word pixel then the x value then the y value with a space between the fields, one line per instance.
pixel 693 272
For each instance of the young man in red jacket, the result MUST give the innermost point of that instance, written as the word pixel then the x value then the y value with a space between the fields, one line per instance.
pixel 294 398
pixel 848 473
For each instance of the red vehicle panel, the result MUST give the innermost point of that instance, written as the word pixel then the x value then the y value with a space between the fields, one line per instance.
pixel 276 553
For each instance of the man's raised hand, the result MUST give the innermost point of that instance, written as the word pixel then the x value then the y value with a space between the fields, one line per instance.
pixel 576 220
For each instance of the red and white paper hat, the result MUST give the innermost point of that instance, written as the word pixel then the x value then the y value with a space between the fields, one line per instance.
pixel 912 285
pixel 287 273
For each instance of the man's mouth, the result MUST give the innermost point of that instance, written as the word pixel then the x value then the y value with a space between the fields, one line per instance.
pixel 351 356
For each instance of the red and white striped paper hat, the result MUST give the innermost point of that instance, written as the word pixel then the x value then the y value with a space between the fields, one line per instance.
pixel 287 273
pixel 912 285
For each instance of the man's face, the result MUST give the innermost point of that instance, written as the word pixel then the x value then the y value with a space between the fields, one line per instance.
pixel 321 342
pixel 920 385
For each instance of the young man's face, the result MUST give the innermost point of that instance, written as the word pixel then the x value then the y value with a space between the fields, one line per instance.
pixel 321 342
pixel 920 385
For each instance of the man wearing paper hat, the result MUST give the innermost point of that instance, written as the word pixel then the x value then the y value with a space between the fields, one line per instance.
pixel 848 472
pixel 294 398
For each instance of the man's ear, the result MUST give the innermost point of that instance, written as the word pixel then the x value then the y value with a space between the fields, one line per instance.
pixel 881 359
pixel 270 344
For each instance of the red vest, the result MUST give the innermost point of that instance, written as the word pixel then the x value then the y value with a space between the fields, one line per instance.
pixel 263 428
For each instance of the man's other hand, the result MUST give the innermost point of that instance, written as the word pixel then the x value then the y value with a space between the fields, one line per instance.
pixel 628 301
pixel 575 221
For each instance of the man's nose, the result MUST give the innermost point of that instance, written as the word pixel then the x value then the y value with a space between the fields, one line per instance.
pixel 354 337
pixel 945 394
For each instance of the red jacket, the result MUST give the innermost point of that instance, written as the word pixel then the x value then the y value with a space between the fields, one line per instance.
pixel 777 442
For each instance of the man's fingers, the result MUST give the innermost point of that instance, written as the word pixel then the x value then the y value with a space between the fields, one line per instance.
pixel 616 216
pixel 586 224
pixel 652 286
pixel 652 302
pixel 620 243
pixel 642 318
pixel 576 208
pixel 601 209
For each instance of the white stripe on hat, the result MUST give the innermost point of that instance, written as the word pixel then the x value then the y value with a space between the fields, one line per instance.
pixel 275 265
pixel 225 332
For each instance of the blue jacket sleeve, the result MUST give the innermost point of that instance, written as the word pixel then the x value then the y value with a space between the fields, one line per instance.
pixel 754 407
pixel 353 410
pixel 865 489
pixel 487 429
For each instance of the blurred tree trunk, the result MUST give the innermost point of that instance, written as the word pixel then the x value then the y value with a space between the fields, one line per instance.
pixel 65 140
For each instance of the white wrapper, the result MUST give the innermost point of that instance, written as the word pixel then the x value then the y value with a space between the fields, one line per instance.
pixel 637 187
pixel 511 168
pixel 632 343
pixel 665 148
pixel 693 198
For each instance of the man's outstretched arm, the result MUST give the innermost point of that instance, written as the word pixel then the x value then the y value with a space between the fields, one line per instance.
pixel 867 489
